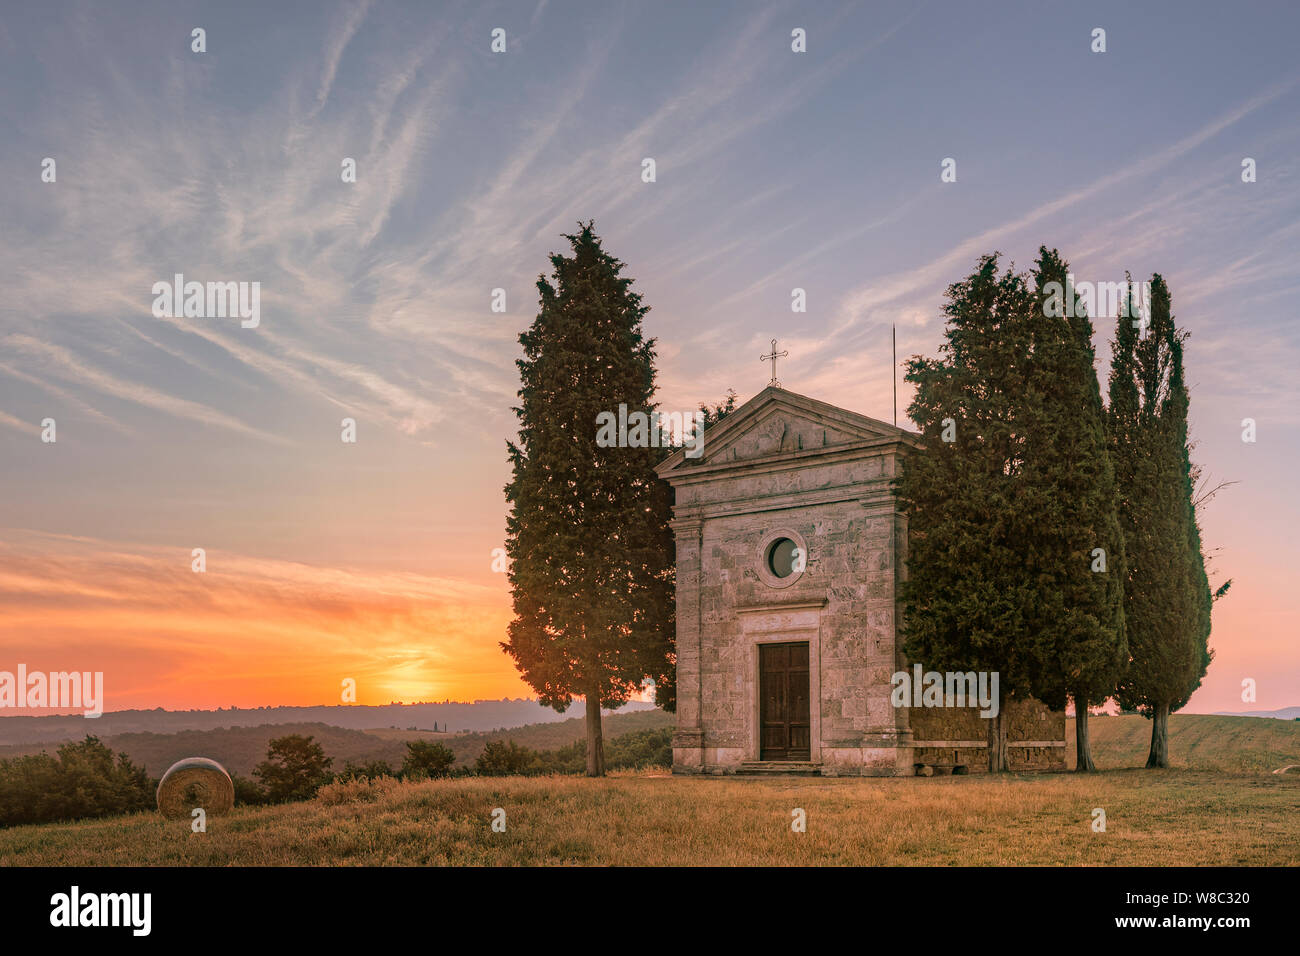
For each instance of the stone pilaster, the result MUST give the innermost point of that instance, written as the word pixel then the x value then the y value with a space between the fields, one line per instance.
pixel 688 741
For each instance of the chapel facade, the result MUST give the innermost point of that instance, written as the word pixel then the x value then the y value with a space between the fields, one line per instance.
pixel 790 551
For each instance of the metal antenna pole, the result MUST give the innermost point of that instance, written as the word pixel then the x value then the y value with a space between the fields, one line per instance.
pixel 893 372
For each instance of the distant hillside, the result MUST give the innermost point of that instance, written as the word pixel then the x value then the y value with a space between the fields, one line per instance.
pixel 1286 713
pixel 481 715
pixel 239 749
pixel 552 736
pixel 1196 741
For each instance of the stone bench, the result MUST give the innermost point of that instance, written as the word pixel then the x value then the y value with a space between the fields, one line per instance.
pixel 941 769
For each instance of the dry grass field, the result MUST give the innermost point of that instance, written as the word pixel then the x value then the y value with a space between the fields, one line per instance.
pixel 1222 807
pixel 1152 818
pixel 1196 742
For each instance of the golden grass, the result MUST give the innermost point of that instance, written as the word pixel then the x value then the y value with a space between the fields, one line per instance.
pixel 1196 742
pixel 1219 805
pixel 1171 817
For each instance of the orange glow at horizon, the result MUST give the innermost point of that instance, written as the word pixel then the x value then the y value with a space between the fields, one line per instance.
pixel 248 632
pixel 254 632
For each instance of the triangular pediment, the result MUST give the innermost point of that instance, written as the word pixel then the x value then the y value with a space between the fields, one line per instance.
pixel 777 423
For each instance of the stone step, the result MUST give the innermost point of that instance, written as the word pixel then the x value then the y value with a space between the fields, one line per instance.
pixel 782 767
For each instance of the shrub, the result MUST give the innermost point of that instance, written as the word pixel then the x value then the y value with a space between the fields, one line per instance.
pixel 636 750
pixel 84 780
pixel 295 768
pixel 367 771
pixel 640 749
pixel 502 758
pixel 424 758
pixel 248 792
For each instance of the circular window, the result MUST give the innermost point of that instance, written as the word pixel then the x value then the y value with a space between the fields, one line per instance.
pixel 783 558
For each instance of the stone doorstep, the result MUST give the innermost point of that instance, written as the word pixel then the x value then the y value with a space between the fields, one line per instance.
pixel 805 768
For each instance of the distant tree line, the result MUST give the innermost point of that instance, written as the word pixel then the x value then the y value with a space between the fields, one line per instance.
pixel 85 780
pixel 638 750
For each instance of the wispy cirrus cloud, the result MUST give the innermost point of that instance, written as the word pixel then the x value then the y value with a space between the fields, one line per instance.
pixel 858 303
pixel 776 169
pixel 60 362
pixel 17 424
pixel 1159 223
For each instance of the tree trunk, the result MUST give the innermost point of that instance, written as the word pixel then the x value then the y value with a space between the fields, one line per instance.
pixel 1159 756
pixel 998 737
pixel 595 740
pixel 1083 751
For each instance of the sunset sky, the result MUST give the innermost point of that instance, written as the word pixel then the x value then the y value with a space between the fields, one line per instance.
pixel 775 170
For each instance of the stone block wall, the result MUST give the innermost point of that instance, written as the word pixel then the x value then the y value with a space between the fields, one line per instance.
pixel 787 465
pixel 845 600
pixel 959 735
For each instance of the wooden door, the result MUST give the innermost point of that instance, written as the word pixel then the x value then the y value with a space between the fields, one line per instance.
pixel 785 727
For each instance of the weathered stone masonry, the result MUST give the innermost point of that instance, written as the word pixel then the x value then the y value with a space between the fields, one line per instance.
pixel 784 466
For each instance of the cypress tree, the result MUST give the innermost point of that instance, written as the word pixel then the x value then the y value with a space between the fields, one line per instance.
pixel 1167 594
pixel 591 552
pixel 1074 549
pixel 969 604
pixel 1198 582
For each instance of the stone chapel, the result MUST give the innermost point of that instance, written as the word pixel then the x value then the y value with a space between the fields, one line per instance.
pixel 790 551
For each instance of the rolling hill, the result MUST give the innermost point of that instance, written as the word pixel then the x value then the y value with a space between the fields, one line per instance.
pixel 479 716
pixel 239 749
pixel 1196 742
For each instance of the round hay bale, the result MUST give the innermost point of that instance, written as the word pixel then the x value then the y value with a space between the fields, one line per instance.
pixel 195 782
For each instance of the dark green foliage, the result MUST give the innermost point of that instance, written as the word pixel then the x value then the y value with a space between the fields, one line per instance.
pixel 716 413
pixel 641 750
pixel 1068 490
pixel 591 553
pixel 371 770
pixel 1005 518
pixel 554 736
pixel 248 792
pixel 666 683
pixel 1198 582
pixel 295 768
pixel 425 759
pixel 503 758
pixel 84 780
pixel 970 604
pixel 1167 593
pixel 637 750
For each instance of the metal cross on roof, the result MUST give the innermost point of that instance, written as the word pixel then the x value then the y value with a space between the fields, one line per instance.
pixel 772 358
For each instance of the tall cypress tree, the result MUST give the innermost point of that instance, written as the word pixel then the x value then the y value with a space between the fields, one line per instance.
pixel 591 551
pixel 1074 549
pixel 969 604
pixel 1167 595
pixel 1198 578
